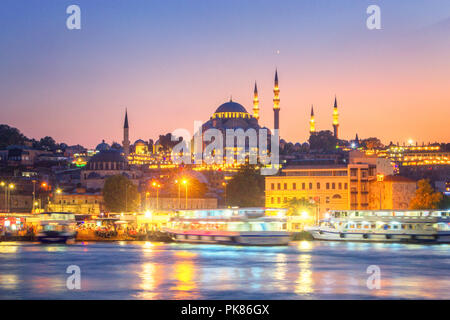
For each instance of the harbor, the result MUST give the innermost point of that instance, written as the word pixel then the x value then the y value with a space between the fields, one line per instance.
pixel 235 226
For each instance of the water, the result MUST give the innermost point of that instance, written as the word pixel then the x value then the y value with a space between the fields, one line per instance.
pixel 303 270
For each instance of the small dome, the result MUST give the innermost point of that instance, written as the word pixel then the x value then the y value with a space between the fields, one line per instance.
pixel 139 142
pixel 102 146
pixel 231 107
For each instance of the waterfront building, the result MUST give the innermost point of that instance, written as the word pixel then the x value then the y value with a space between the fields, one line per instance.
pixel 79 202
pixel 328 186
pixel 384 166
pixel 391 192
pixel 356 185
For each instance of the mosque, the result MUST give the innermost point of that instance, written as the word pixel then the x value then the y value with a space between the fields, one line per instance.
pixel 229 115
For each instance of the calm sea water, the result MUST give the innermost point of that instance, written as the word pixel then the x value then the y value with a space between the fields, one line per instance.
pixel 303 270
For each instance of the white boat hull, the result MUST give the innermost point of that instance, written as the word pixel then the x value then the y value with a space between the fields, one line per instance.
pixel 237 238
pixel 322 234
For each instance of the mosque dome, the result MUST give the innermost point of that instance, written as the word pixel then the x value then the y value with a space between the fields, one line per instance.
pixel 231 107
pixel 103 146
pixel 139 142
pixel 231 110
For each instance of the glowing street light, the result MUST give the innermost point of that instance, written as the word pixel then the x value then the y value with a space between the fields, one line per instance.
pixel 157 186
pixel 185 182
pixel 304 215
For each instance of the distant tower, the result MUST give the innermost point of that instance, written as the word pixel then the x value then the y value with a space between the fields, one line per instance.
pixel 255 103
pixel 312 122
pixel 335 119
pixel 276 103
pixel 126 140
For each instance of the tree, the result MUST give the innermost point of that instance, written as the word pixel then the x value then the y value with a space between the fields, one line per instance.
pixel 425 197
pixel 246 188
pixel 10 136
pixel 297 206
pixel 120 194
pixel 195 188
pixel 322 140
pixel 372 143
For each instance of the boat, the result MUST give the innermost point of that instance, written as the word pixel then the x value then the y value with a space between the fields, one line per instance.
pixel 411 226
pixel 228 226
pixel 57 227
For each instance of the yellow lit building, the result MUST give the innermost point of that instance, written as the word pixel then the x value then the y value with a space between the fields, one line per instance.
pixel 79 203
pixel 334 186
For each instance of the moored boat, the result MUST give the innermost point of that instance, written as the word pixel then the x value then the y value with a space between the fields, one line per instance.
pixel 57 227
pixel 228 226
pixel 431 226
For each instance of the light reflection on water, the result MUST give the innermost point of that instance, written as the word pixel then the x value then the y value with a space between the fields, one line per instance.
pixel 303 270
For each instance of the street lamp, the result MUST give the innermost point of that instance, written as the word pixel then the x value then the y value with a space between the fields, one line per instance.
pixel 34 195
pixel 3 184
pixel 380 179
pixel 59 191
pixel 147 196
pixel 11 186
pixel 157 186
pixel 224 185
pixel 185 182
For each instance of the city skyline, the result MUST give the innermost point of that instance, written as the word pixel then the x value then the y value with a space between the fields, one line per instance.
pixel 176 63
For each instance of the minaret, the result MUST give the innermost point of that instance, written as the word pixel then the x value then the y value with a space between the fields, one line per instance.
pixel 276 103
pixel 255 103
pixel 126 141
pixel 312 122
pixel 335 119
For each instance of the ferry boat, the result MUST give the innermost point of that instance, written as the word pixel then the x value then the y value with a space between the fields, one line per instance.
pixel 385 226
pixel 250 226
pixel 57 227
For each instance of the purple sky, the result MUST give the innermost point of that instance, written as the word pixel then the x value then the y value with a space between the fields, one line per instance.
pixel 173 62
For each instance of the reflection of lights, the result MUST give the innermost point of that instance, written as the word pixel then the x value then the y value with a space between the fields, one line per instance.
pixel 184 274
pixel 280 271
pixel 8 281
pixel 304 281
pixel 7 248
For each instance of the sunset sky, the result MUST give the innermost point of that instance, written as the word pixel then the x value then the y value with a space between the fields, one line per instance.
pixel 172 62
